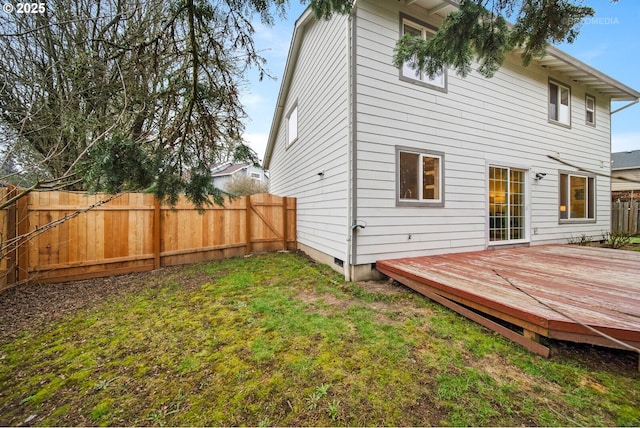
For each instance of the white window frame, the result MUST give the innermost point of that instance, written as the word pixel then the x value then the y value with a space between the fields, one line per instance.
pixel 292 125
pixel 256 176
pixel 561 115
pixel 420 201
pixel 525 216
pixel 590 198
pixel 409 74
pixel 591 110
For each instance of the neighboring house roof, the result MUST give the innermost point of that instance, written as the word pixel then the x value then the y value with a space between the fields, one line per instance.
pixel 227 168
pixel 625 160
pixel 554 60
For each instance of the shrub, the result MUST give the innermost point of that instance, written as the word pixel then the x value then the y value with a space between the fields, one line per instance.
pixel 582 240
pixel 616 239
pixel 243 185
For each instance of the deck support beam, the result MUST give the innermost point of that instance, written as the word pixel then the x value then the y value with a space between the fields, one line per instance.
pixel 525 340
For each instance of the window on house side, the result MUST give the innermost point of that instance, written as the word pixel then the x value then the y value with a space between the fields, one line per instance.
pixel 292 126
pixel 559 103
pixel 590 110
pixel 415 29
pixel 420 177
pixel 577 197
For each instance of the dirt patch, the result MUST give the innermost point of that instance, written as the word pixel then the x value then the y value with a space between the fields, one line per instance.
pixel 388 287
pixel 314 298
pixel 504 372
pixel 596 358
pixel 391 312
pixel 33 307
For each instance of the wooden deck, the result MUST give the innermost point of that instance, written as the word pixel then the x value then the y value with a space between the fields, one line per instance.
pixel 555 291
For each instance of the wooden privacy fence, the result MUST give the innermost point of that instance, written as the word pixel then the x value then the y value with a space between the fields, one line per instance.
pixel 625 217
pixel 132 233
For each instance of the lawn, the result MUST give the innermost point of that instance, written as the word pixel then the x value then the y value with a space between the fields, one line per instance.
pixel 278 340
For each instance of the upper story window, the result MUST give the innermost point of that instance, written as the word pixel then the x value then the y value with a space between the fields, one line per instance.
pixel 292 126
pixel 420 176
pixel 590 110
pixel 577 197
pixel 409 73
pixel 256 176
pixel 559 103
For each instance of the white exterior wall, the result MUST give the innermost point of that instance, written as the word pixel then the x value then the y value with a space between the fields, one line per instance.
pixel 500 121
pixel 221 182
pixel 255 170
pixel 622 185
pixel 320 87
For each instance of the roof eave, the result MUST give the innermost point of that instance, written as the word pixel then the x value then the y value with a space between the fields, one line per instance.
pixel 583 73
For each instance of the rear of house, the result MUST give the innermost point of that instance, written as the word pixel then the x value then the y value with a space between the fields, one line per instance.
pixel 224 173
pixel 390 163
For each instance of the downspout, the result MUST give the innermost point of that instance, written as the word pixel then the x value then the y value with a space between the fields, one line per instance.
pixel 352 205
pixel 351 146
pixel 634 102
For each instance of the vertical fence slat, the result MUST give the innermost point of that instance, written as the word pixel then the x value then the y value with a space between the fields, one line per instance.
pixel 155 239
pixel 22 244
pixel 625 217
pixel 12 249
pixel 285 226
pixel 247 200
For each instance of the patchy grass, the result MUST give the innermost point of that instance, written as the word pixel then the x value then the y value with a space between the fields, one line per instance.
pixel 278 340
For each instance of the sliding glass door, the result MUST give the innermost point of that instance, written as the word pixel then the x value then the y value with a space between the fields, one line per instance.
pixel 506 204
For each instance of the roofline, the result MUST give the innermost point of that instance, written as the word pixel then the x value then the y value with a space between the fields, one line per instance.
pixel 292 57
pixel 633 95
pixel 625 168
pixel 220 174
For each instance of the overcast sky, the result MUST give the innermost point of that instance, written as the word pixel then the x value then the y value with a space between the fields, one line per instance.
pixel 610 42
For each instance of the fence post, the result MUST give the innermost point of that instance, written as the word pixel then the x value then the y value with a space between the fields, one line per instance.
pixel 635 212
pixel 285 227
pixel 22 241
pixel 12 233
pixel 248 223
pixel 156 233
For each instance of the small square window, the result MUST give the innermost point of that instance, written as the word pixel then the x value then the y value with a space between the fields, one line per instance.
pixel 577 197
pixel 590 110
pixel 420 177
pixel 292 126
pixel 559 103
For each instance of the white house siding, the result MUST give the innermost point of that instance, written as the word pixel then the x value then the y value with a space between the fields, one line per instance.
pixel 255 170
pixel 320 88
pixel 622 185
pixel 479 121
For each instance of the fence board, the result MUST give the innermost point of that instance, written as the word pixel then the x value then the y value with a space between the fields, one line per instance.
pixel 625 217
pixel 6 262
pixel 134 233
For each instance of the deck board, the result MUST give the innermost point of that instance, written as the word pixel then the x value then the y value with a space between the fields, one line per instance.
pixel 596 286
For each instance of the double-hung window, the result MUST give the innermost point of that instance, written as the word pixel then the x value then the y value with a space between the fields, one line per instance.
pixel 420 177
pixel 410 73
pixel 559 103
pixel 590 110
pixel 577 197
